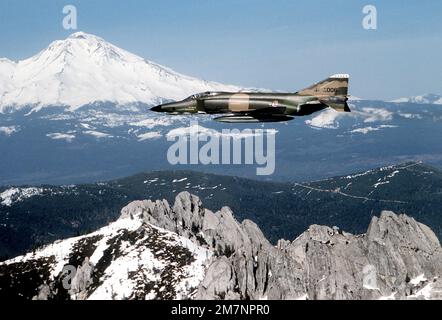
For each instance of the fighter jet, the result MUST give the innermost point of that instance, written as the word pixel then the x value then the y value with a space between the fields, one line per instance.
pixel 250 107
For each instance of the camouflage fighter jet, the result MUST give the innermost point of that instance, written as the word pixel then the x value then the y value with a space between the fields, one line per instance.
pixel 249 107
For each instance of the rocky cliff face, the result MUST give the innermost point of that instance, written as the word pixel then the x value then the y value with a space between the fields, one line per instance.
pixel 129 259
pixel 397 258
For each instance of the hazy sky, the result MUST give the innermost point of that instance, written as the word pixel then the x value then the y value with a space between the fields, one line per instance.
pixel 277 44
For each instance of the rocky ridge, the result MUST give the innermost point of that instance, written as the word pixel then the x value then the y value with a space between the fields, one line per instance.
pixel 398 257
pixel 136 257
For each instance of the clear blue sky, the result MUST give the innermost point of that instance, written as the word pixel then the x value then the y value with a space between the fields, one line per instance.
pixel 278 44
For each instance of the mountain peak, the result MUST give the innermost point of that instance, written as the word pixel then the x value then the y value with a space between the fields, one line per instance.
pixel 6 60
pixel 83 35
pixel 85 69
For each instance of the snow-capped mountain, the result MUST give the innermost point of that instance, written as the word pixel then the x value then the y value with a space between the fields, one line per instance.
pixel 424 99
pixel 84 69
pixel 155 251
pixel 115 88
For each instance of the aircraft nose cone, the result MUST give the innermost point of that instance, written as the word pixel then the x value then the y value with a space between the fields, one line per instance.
pixel 157 108
pixel 176 107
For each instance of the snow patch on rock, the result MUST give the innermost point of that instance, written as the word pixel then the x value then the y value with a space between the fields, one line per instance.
pixel 9 130
pixel 61 136
pixel 14 195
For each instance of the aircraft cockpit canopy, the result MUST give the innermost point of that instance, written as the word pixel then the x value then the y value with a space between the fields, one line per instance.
pixel 202 95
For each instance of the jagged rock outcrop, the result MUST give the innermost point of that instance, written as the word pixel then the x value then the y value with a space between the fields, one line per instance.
pixel 128 259
pixel 397 258
pixel 155 251
pixel 243 244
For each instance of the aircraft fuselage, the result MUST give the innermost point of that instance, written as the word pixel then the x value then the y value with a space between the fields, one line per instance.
pixel 263 107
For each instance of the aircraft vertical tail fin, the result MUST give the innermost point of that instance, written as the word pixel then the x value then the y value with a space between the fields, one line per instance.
pixel 335 85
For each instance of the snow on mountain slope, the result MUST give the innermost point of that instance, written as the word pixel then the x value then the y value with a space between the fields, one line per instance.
pixel 10 130
pixel 6 70
pixel 13 195
pixel 424 99
pixel 84 69
pixel 330 119
pixel 128 259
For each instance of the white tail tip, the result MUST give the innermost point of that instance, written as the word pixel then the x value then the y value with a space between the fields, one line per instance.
pixel 340 76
